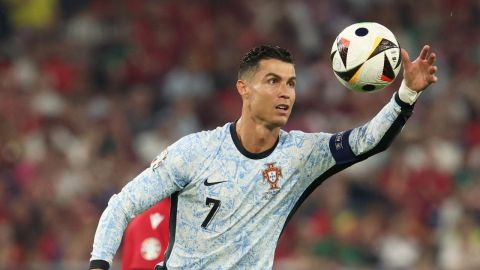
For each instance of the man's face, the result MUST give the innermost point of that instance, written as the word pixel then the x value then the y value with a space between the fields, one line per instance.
pixel 270 92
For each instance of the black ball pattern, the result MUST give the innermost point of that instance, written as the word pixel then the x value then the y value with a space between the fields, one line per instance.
pixel 362 31
pixel 368 87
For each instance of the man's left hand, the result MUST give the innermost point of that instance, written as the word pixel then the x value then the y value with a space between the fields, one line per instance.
pixel 420 73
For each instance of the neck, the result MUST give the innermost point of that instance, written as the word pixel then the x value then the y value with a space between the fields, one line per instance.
pixel 255 137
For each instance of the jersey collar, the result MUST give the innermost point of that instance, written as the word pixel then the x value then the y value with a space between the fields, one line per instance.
pixel 245 152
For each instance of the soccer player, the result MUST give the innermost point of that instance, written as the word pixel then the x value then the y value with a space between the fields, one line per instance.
pixel 146 238
pixel 234 188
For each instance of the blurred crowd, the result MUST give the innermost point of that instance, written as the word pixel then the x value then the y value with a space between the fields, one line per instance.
pixel 92 90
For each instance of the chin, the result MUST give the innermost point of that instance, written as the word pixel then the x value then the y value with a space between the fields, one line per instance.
pixel 279 122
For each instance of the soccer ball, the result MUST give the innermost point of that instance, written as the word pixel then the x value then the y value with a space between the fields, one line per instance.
pixel 366 57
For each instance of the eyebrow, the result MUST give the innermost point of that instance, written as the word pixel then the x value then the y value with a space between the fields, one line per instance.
pixel 278 76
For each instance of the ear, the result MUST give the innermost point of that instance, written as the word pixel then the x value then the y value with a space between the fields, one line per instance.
pixel 242 88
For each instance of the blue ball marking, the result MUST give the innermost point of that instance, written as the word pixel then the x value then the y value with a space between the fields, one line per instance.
pixel 362 31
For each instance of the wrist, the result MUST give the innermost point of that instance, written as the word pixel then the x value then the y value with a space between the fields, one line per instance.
pixel 406 94
pixel 99 265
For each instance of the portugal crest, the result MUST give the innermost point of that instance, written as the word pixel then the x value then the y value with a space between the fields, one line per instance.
pixel 272 174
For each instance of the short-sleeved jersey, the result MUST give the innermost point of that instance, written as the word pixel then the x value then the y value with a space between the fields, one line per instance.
pixel 146 238
pixel 229 206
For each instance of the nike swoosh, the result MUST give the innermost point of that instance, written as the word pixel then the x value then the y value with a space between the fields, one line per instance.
pixel 206 183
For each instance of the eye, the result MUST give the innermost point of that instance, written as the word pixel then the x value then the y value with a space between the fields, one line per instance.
pixel 291 84
pixel 272 81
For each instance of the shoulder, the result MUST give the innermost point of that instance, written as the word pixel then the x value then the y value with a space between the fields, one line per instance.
pixel 203 138
pixel 199 143
pixel 301 138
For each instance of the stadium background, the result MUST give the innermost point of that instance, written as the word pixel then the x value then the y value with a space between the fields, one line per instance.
pixel 91 90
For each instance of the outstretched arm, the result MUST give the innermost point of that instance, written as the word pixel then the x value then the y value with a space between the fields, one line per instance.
pixel 375 136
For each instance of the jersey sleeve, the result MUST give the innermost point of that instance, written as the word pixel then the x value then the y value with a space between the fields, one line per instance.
pixel 166 175
pixel 357 144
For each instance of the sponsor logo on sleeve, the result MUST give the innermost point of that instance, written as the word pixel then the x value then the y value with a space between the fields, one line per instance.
pixel 156 162
pixel 338 141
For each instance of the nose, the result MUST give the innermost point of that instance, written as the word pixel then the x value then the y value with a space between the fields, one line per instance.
pixel 285 92
pixel 284 96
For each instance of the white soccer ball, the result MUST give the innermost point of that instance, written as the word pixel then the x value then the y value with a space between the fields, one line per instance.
pixel 366 57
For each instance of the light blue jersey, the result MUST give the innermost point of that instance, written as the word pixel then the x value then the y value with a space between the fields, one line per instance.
pixel 230 206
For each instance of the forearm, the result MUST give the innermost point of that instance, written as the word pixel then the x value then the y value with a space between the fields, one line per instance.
pixel 138 195
pixel 110 229
pixel 379 132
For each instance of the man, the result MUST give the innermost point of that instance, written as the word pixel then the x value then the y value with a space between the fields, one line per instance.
pixel 146 238
pixel 234 188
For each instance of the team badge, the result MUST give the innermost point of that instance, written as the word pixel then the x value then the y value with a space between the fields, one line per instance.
pixel 272 175
pixel 150 248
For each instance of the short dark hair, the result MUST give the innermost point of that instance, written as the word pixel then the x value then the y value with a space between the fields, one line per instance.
pixel 250 61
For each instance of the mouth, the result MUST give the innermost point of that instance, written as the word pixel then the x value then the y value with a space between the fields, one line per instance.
pixel 282 107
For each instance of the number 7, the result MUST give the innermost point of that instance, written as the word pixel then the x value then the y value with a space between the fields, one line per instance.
pixel 216 205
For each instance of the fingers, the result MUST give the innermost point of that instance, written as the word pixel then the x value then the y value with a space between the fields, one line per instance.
pixel 405 57
pixel 424 53
pixel 422 67
pixel 431 58
pixel 432 78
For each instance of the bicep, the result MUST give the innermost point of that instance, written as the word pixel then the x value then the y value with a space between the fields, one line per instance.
pixel 145 190
pixel 319 158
